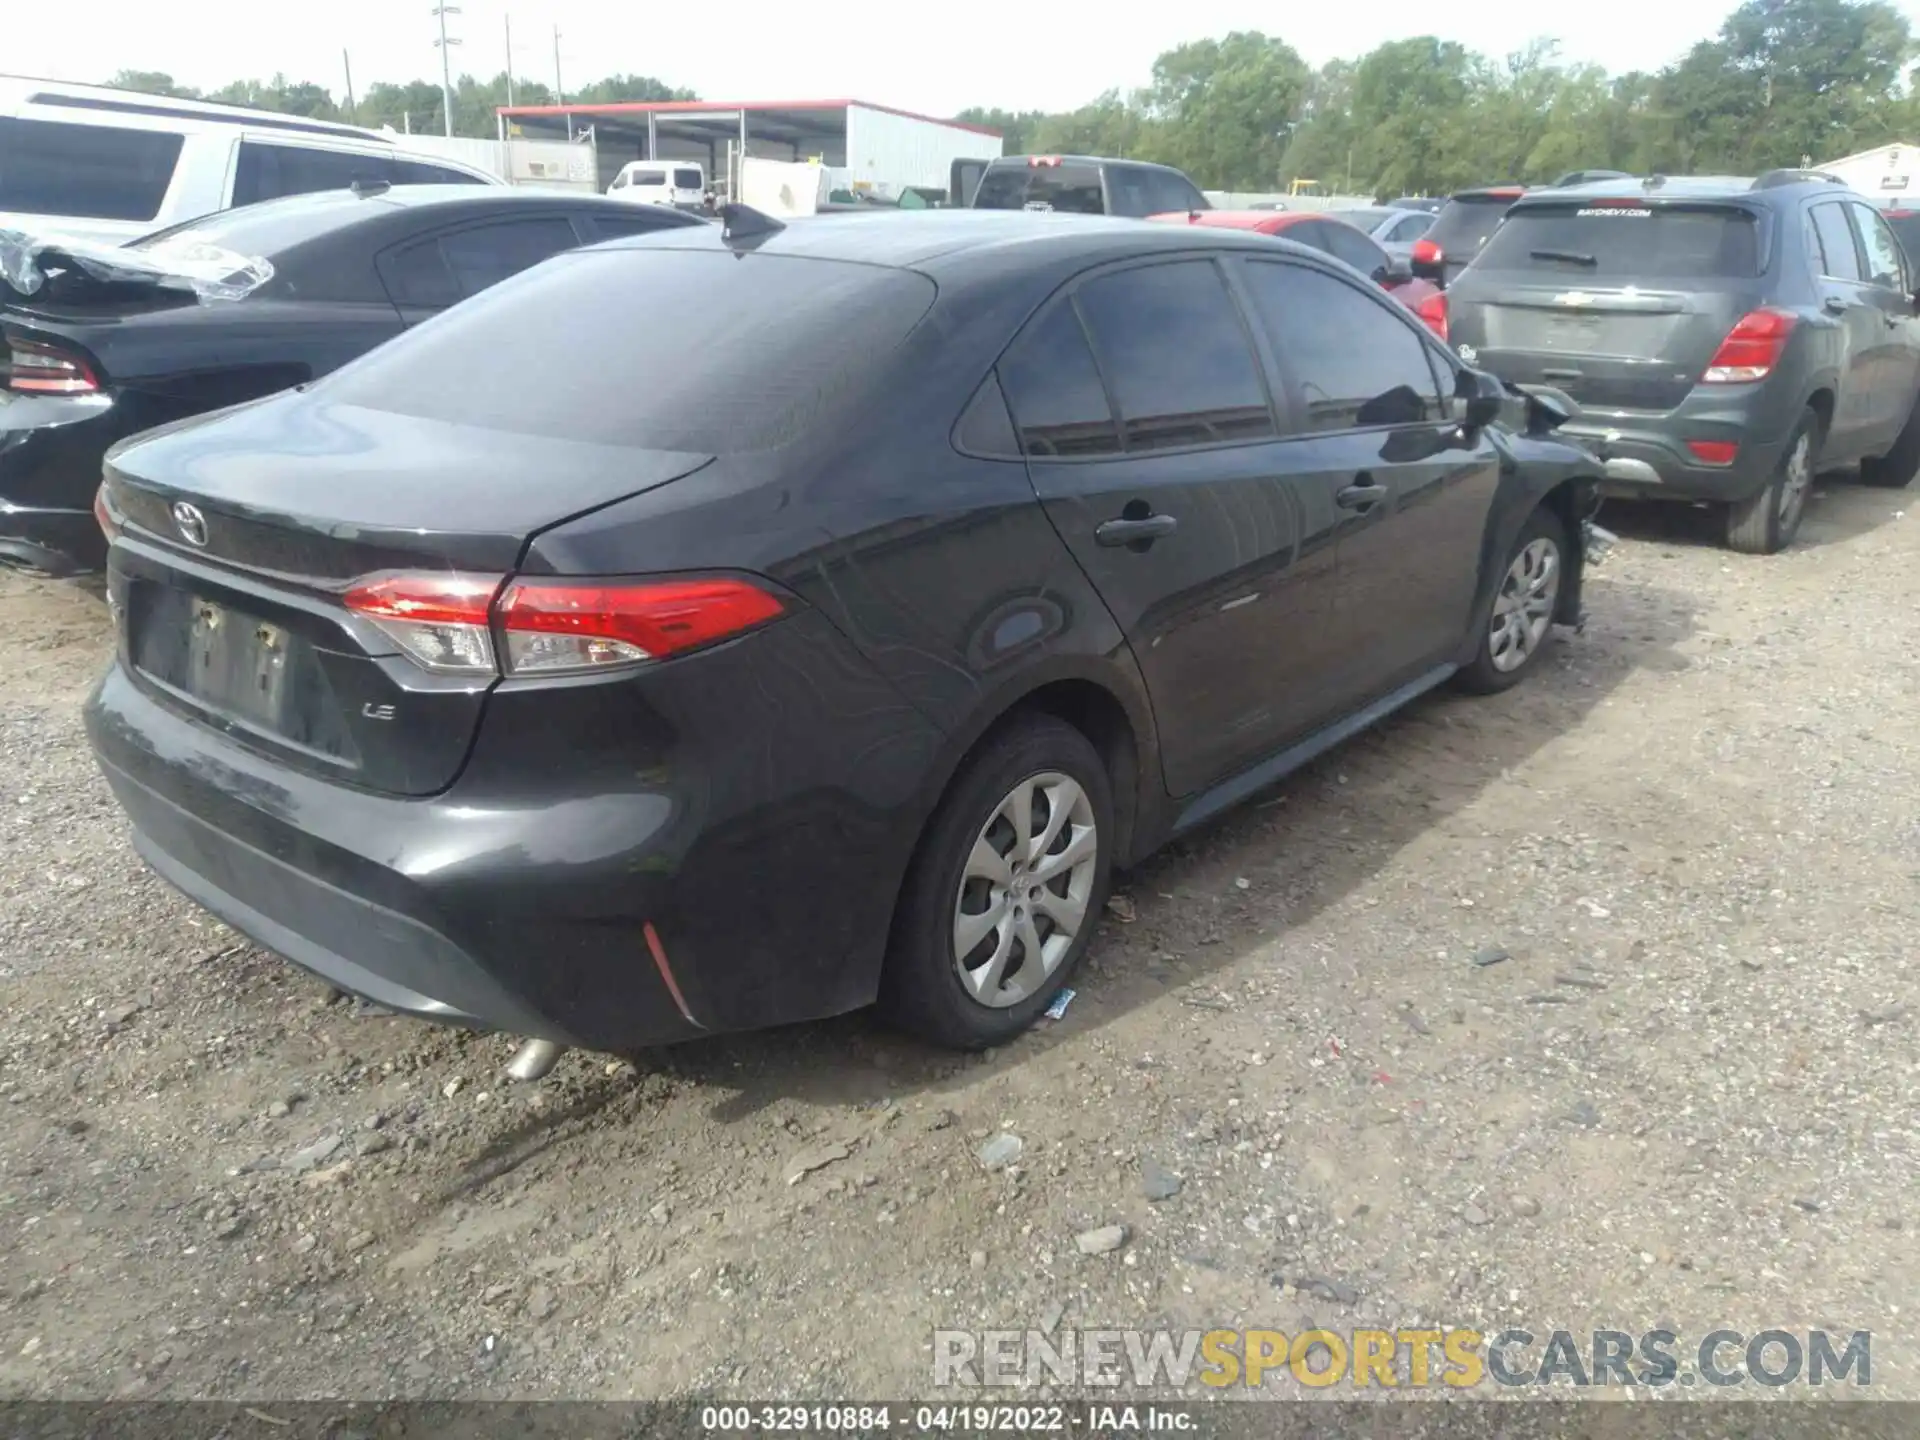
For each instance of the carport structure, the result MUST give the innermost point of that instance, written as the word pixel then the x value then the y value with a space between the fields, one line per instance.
pixel 873 145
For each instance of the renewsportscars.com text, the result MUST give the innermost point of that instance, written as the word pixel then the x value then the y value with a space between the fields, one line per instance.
pixel 1406 1358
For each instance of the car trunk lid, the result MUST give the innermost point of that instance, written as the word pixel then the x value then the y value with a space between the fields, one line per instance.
pixel 241 538
pixel 1619 304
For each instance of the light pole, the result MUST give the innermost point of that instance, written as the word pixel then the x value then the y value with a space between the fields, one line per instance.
pixel 445 46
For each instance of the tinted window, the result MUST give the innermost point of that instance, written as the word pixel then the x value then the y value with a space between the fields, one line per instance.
pixel 1019 186
pixel 1838 259
pixel 266 172
pixel 1172 192
pixel 649 177
pixel 1365 220
pixel 1885 264
pixel 1905 225
pixel 782 342
pixel 644 220
pixel 487 254
pixel 1357 250
pixel 93 172
pixel 1054 390
pixel 1463 225
pixel 1312 233
pixel 414 172
pixel 986 428
pixel 1172 348
pixel 687 179
pixel 270 228
pixel 1639 242
pixel 416 276
pixel 1411 228
pixel 1353 361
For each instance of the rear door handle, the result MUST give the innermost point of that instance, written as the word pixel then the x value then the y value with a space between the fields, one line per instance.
pixel 1144 531
pixel 1360 497
pixel 1836 305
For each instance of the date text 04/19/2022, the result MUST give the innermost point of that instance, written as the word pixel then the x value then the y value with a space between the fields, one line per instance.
pixel 956 1419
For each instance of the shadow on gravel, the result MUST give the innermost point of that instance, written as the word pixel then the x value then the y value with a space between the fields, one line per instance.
pixel 1840 509
pixel 1350 812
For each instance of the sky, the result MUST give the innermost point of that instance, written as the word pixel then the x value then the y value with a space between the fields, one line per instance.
pixel 935 59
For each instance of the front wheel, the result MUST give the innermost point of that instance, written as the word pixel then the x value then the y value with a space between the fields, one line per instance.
pixel 1005 891
pixel 1767 522
pixel 1516 631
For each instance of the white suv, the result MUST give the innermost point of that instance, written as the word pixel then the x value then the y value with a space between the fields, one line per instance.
pixel 111 165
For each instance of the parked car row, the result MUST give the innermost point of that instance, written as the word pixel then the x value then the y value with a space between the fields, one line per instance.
pixel 513 669
pixel 1725 338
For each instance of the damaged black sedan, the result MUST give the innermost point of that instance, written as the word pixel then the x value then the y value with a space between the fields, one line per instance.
pixel 539 673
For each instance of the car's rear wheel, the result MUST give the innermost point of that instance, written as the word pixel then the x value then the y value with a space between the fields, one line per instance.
pixel 1895 468
pixel 1005 890
pixel 1767 522
pixel 1522 617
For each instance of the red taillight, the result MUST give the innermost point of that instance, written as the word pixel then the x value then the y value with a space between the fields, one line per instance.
pixel 36 369
pixel 1426 252
pixel 1714 452
pixel 447 622
pixel 554 625
pixel 1751 348
pixel 1433 313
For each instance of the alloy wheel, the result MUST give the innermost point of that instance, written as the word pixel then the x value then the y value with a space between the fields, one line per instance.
pixel 1025 889
pixel 1523 611
pixel 1795 482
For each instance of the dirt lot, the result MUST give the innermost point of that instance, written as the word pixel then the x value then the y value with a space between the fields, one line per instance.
pixel 1689 1094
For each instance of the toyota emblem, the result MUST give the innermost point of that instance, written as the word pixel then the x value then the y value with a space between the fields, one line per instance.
pixel 191 524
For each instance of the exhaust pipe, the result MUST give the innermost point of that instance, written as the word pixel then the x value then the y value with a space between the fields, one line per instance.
pixel 534 1059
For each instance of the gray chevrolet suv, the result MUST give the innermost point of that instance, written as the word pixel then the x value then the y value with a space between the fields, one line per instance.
pixel 1724 338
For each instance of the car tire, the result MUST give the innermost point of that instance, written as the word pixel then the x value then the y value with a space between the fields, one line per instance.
pixel 1766 523
pixel 1895 469
pixel 1521 618
pixel 967 884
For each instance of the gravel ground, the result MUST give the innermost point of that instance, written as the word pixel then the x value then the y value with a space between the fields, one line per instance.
pixel 1686 1094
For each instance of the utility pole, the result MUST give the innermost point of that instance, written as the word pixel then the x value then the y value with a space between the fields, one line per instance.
pixel 353 114
pixel 509 20
pixel 560 90
pixel 446 62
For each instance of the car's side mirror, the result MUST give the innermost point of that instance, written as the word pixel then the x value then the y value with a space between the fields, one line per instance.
pixel 1485 396
pixel 1397 271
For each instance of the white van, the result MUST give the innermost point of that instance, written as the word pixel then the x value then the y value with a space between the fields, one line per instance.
pixel 111 165
pixel 680 183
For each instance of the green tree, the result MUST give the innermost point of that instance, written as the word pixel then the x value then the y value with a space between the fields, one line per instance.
pixel 152 82
pixel 1226 108
pixel 1017 127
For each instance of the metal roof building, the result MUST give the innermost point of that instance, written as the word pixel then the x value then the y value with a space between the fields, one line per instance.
pixel 867 145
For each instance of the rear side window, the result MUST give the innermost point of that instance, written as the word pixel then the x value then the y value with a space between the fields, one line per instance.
pixel 1905 225
pixel 782 342
pixel 1348 244
pixel 91 172
pixel 415 172
pixel 1637 242
pixel 445 269
pixel 1053 388
pixel 684 179
pixel 645 220
pixel 1464 225
pixel 1353 362
pixel 1072 188
pixel 1410 228
pixel 267 172
pixel 1839 260
pixel 649 177
pixel 1173 350
pixel 1168 192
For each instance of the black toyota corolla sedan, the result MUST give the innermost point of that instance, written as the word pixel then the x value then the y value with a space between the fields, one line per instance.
pixel 236 305
pixel 544 672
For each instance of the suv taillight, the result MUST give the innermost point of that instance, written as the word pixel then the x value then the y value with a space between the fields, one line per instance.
pixel 1751 348
pixel 1426 252
pixel 36 369
pixel 1433 313
pixel 449 623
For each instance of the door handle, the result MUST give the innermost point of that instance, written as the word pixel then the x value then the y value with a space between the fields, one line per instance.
pixel 1362 497
pixel 1129 531
pixel 1835 305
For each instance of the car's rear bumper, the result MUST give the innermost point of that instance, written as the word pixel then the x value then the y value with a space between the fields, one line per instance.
pixel 565 886
pixel 1646 455
pixel 60 542
pixel 51 449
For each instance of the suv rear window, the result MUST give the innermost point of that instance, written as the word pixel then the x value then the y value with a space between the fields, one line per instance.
pixel 1466 221
pixel 781 341
pixel 1905 225
pixel 686 179
pixel 1020 186
pixel 91 172
pixel 1643 242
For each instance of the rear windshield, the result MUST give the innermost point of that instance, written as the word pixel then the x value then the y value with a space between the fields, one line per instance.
pixel 270 227
pixel 686 179
pixel 1073 188
pixel 92 172
pixel 1641 242
pixel 1905 225
pixel 694 350
pixel 1465 222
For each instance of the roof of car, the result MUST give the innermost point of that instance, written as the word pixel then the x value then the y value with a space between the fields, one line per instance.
pixel 1778 184
pixel 1266 222
pixel 1052 158
pixel 917 239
